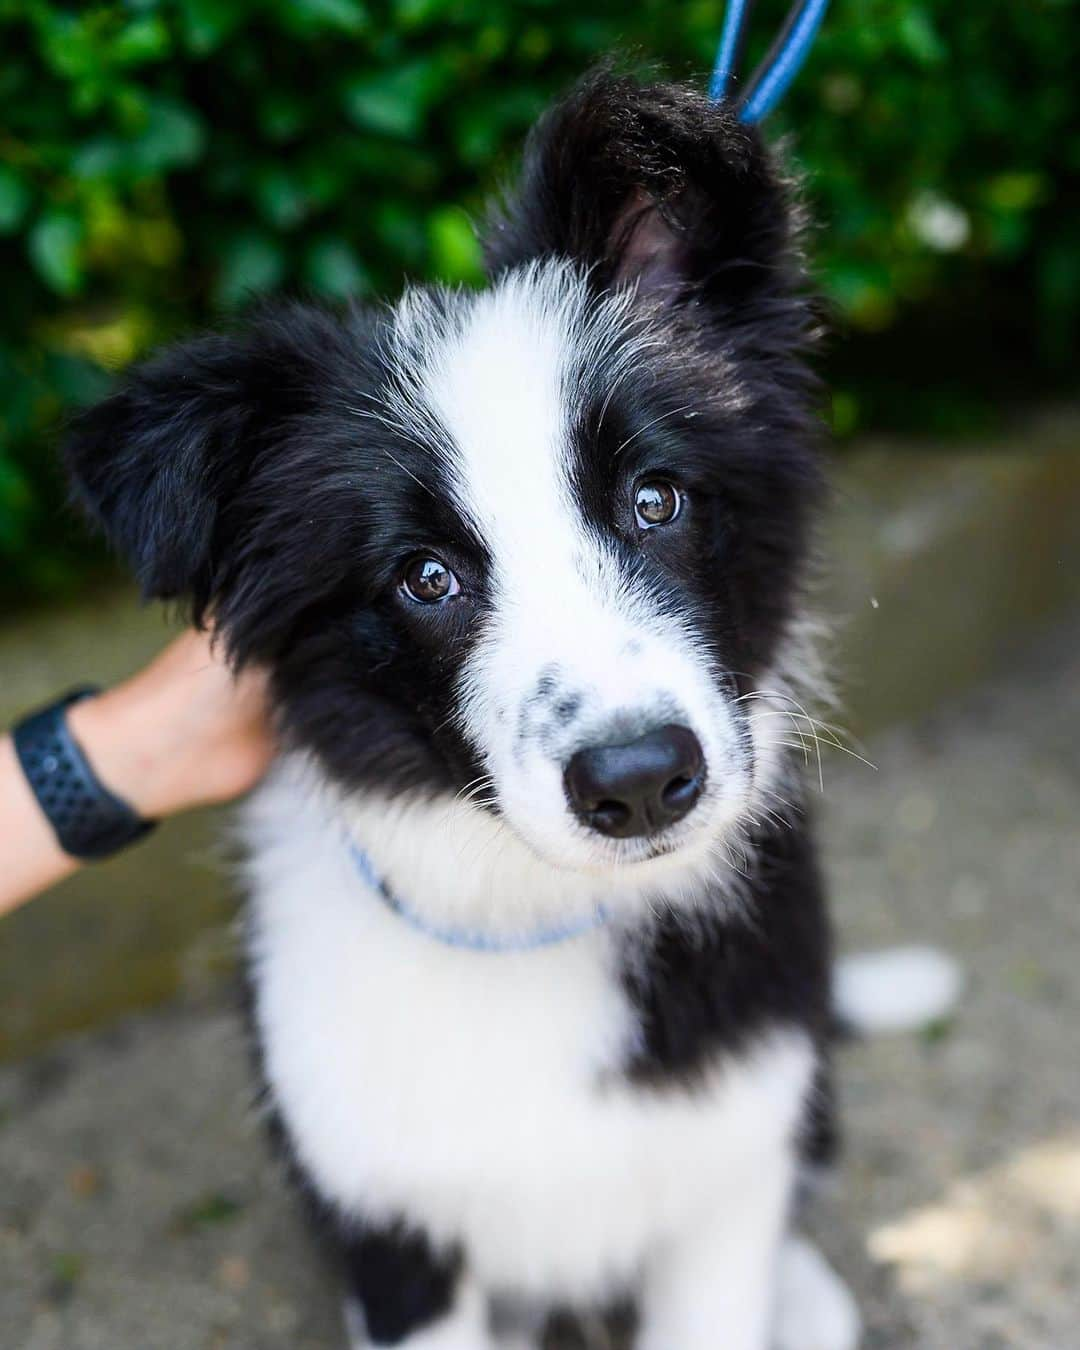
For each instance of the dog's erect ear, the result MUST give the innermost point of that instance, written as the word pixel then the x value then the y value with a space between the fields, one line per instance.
pixel 156 464
pixel 654 184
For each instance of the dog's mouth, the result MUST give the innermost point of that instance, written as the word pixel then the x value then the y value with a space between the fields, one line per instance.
pixel 682 842
pixel 635 852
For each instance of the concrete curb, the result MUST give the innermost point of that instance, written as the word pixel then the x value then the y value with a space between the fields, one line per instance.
pixel 941 561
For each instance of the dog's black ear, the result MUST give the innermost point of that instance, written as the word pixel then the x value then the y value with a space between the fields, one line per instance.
pixel 156 463
pixel 653 184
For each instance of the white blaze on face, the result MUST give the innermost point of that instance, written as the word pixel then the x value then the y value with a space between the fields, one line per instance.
pixel 573 654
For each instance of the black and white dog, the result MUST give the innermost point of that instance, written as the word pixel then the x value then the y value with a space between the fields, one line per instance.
pixel 539 958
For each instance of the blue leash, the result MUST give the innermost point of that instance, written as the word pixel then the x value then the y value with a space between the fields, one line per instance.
pixel 729 55
pixel 470 939
pixel 769 82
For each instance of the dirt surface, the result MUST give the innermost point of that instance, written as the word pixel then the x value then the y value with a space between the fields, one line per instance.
pixel 139 1209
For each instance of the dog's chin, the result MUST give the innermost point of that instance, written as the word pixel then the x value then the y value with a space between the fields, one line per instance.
pixel 686 849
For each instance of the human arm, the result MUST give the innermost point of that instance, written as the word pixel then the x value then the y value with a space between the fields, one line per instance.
pixel 182 732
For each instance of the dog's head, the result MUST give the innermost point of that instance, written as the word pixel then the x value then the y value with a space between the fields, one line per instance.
pixel 530 546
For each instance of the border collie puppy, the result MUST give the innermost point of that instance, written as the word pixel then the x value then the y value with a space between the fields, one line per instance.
pixel 537 948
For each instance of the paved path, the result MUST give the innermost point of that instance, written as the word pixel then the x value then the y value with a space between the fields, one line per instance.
pixel 138 1210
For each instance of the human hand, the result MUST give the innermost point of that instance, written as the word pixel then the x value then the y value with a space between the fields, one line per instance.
pixel 182 732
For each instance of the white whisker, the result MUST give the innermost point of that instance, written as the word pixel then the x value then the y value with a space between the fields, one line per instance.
pixel 673 412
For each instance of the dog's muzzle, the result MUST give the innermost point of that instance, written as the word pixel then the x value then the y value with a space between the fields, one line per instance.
pixel 639 788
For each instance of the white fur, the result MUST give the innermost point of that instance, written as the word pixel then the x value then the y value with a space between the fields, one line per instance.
pixel 899 989
pixel 717 1278
pixel 814 1308
pixel 481 1095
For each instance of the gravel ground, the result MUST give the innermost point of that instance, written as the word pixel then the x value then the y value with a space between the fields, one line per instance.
pixel 139 1211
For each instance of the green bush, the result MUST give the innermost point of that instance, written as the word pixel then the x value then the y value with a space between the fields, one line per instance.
pixel 162 161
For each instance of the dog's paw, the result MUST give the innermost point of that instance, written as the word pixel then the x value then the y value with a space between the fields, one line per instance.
pixel 897 989
pixel 814 1309
pixel 465 1328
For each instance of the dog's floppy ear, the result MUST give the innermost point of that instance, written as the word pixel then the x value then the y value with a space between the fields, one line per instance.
pixel 653 184
pixel 156 463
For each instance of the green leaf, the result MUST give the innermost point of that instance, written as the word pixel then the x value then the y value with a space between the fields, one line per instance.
pixel 400 229
pixel 205 24
pixel 282 115
pixel 417 13
pixel 14 200
pixel 75 379
pixel 394 102
pixel 455 250
pixel 67 1271
pixel 845 413
pixel 146 39
pixel 921 38
pixel 331 267
pixel 102 157
pixel 55 246
pixel 207 1211
pixel 253 264
pixel 342 16
pixel 934 1033
pixel 15 504
pixel 862 292
pixel 281 198
pixel 1017 191
pixel 173 137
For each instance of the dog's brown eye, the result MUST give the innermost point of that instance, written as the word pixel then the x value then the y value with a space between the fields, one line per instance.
pixel 429 580
pixel 656 502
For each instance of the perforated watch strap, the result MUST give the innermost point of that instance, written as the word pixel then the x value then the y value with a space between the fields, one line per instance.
pixel 89 821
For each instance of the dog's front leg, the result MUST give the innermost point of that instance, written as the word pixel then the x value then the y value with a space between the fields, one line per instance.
pixel 713 1288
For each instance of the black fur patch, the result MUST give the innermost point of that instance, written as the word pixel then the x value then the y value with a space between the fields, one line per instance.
pixel 717 983
pixel 399 1280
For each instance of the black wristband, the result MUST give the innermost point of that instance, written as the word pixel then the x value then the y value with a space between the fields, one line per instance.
pixel 89 821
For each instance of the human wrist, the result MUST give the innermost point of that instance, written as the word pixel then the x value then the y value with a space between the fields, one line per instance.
pixel 127 743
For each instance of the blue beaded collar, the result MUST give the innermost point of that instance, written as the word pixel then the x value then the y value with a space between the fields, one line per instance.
pixel 471 939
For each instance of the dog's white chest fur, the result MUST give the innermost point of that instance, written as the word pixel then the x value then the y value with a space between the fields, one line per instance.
pixel 480 1093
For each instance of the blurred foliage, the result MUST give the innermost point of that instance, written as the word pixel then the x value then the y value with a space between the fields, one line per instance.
pixel 162 161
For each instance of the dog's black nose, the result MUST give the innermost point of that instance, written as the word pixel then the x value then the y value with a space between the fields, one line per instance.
pixel 638 788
